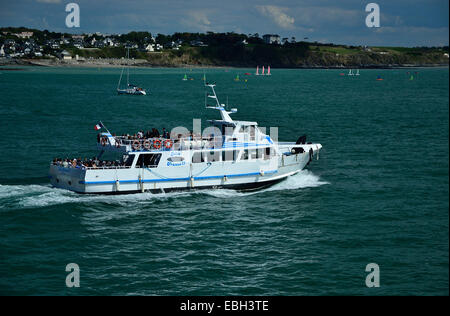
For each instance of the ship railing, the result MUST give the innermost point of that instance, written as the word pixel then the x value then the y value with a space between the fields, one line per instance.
pixel 69 166
pixel 167 144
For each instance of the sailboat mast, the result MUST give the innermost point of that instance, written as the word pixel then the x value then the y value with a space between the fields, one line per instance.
pixel 128 68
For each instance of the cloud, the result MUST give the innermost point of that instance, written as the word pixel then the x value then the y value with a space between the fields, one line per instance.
pixel 277 15
pixel 197 20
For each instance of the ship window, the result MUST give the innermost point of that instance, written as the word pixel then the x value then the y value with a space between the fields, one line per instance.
pixel 148 160
pixel 175 159
pixel 229 155
pixel 213 156
pixel 267 153
pixel 197 157
pixel 245 155
pixel 128 160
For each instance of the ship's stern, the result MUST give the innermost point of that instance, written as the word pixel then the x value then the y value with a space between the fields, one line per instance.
pixel 67 178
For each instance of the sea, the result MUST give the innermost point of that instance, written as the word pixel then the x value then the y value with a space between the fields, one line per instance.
pixel 379 193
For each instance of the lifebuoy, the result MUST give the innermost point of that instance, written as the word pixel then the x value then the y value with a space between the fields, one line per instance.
pixel 147 144
pixel 168 143
pixel 136 144
pixel 157 144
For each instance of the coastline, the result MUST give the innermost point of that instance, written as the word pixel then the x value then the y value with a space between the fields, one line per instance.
pixel 142 63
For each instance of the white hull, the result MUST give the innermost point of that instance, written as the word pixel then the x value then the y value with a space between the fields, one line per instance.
pixel 241 175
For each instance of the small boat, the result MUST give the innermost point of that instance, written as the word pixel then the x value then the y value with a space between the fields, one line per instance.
pixel 131 88
pixel 242 157
pixel 247 74
pixel 379 78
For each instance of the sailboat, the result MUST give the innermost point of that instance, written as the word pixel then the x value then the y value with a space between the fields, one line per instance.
pixel 237 78
pixel 350 72
pixel 357 72
pixel 257 70
pixel 185 78
pixel 268 70
pixel 131 88
pixel 263 72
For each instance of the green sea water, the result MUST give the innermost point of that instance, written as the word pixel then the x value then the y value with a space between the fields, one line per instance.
pixel 378 194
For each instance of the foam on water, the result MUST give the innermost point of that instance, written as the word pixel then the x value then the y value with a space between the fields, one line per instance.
pixel 303 179
pixel 34 196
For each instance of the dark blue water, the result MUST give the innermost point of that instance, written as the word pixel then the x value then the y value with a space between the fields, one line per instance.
pixel 379 192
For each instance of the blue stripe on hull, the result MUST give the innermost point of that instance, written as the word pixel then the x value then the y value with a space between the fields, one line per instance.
pixel 179 179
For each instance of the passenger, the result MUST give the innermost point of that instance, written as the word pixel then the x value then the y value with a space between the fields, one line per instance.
pixel 165 133
pixel 157 135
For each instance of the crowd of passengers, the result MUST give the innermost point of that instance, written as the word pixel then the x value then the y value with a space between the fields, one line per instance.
pixel 154 133
pixel 85 163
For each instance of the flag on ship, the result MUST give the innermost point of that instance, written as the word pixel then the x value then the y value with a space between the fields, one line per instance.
pixel 98 126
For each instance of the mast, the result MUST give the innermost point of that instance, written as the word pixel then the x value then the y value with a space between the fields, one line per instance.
pixel 221 107
pixel 128 68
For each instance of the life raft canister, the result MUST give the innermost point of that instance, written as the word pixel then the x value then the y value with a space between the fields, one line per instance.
pixel 147 144
pixel 136 144
pixel 168 143
pixel 157 144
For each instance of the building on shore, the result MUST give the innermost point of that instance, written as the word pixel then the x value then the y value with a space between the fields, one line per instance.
pixel 271 39
pixel 65 55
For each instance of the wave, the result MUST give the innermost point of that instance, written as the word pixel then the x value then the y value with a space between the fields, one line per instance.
pixel 35 196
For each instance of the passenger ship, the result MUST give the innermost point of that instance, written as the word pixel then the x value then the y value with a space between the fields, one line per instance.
pixel 236 155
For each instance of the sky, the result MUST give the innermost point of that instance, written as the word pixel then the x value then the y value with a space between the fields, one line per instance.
pixel 402 22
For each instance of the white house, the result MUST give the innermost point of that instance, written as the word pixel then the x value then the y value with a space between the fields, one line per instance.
pixel 65 55
pixel 149 47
